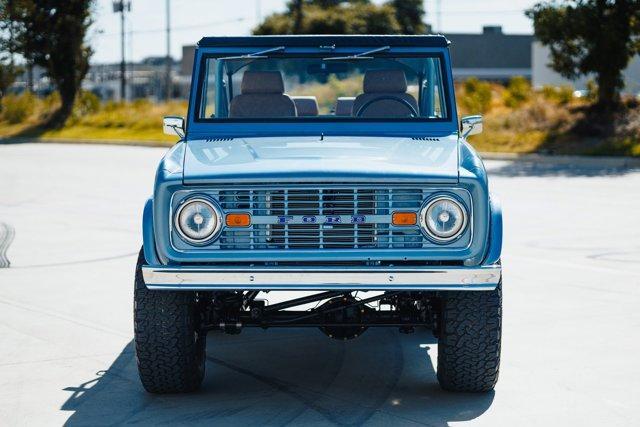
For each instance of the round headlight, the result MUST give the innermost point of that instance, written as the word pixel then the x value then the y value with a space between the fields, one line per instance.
pixel 197 220
pixel 443 219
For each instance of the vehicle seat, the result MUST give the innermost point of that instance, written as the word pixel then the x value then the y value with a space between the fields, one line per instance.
pixel 262 95
pixel 306 106
pixel 344 105
pixel 384 84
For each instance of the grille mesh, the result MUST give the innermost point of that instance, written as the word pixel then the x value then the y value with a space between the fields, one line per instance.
pixel 376 205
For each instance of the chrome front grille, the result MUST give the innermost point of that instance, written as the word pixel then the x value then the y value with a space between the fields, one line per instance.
pixel 321 218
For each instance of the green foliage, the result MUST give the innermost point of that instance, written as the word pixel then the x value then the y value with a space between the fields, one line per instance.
pixel 518 92
pixel 17 108
pixel 86 103
pixel 51 33
pixel 8 74
pixel 51 101
pixel 590 36
pixel 592 90
pixel 476 97
pixel 409 14
pixel 560 94
pixel 345 17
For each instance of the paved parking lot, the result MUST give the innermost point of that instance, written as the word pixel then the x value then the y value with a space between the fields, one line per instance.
pixel 571 312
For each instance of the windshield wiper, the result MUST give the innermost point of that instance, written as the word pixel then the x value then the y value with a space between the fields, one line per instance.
pixel 362 55
pixel 255 55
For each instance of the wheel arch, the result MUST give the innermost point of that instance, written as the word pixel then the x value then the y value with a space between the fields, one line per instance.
pixel 495 231
pixel 148 238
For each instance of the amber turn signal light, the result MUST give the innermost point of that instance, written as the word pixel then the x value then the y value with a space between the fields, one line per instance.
pixel 238 220
pixel 404 218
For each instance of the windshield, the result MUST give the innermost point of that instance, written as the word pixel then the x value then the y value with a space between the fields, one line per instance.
pixel 367 86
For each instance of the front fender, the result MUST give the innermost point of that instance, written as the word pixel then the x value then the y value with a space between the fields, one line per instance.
pixel 148 239
pixel 495 232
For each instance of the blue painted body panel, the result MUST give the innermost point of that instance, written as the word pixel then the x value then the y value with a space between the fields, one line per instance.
pixel 262 128
pixel 311 159
pixel 347 152
pixel 495 237
pixel 148 238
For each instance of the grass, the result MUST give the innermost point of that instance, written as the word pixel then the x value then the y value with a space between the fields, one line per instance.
pixel 517 119
pixel 549 121
pixel 139 121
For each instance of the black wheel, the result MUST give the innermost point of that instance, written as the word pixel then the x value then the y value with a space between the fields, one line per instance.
pixel 170 350
pixel 469 334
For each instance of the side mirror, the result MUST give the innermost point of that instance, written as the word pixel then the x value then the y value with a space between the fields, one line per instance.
pixel 471 125
pixel 173 125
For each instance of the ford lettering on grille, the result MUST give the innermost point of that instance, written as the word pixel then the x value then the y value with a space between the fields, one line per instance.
pixel 321 218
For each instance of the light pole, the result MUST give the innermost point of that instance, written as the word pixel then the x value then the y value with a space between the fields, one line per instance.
pixel 122 6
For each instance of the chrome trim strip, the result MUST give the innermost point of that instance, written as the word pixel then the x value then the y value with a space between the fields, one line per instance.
pixel 422 213
pixel 214 208
pixel 338 278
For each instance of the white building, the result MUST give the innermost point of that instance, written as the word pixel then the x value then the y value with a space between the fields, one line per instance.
pixel 542 74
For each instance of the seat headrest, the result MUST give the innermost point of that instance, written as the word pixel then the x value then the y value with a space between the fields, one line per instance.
pixel 344 105
pixel 262 82
pixel 385 81
pixel 306 105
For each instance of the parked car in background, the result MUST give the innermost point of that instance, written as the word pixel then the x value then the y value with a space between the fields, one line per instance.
pixel 333 164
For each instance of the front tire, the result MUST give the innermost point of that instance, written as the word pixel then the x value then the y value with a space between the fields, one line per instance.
pixel 170 349
pixel 469 340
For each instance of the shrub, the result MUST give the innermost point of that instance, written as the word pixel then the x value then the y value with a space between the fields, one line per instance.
pixel 477 96
pixel 87 103
pixel 518 92
pixel 592 91
pixel 51 102
pixel 560 94
pixel 17 108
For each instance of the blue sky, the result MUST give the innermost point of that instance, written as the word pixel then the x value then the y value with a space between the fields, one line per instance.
pixel 192 19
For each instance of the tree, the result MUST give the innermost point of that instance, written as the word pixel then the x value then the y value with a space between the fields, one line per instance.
pixel 8 70
pixel 590 37
pixel 409 14
pixel 346 17
pixel 8 74
pixel 51 33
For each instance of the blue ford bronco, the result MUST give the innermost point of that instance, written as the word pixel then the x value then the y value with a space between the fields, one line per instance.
pixel 333 165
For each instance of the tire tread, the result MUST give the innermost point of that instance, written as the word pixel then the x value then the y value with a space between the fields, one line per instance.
pixel 170 358
pixel 469 341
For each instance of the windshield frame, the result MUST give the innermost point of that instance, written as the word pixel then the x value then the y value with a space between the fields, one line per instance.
pixel 328 124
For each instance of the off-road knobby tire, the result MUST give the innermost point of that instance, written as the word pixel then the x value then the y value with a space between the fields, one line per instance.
pixel 469 334
pixel 170 352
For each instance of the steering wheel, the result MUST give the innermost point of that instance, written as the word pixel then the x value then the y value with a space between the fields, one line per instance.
pixel 404 102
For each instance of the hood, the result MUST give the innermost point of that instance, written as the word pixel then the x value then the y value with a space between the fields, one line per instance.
pixel 315 159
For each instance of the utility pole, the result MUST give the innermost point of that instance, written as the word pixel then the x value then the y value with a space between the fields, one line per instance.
pixel 168 59
pixel 439 15
pixel 122 6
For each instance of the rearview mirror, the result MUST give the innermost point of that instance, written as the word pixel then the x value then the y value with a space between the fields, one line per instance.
pixel 173 125
pixel 471 125
pixel 328 68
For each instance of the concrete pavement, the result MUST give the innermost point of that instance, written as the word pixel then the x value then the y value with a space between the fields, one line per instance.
pixel 571 318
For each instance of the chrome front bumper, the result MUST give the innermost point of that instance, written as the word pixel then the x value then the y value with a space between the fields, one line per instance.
pixel 481 278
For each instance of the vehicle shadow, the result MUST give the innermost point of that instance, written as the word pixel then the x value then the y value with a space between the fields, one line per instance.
pixel 287 377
